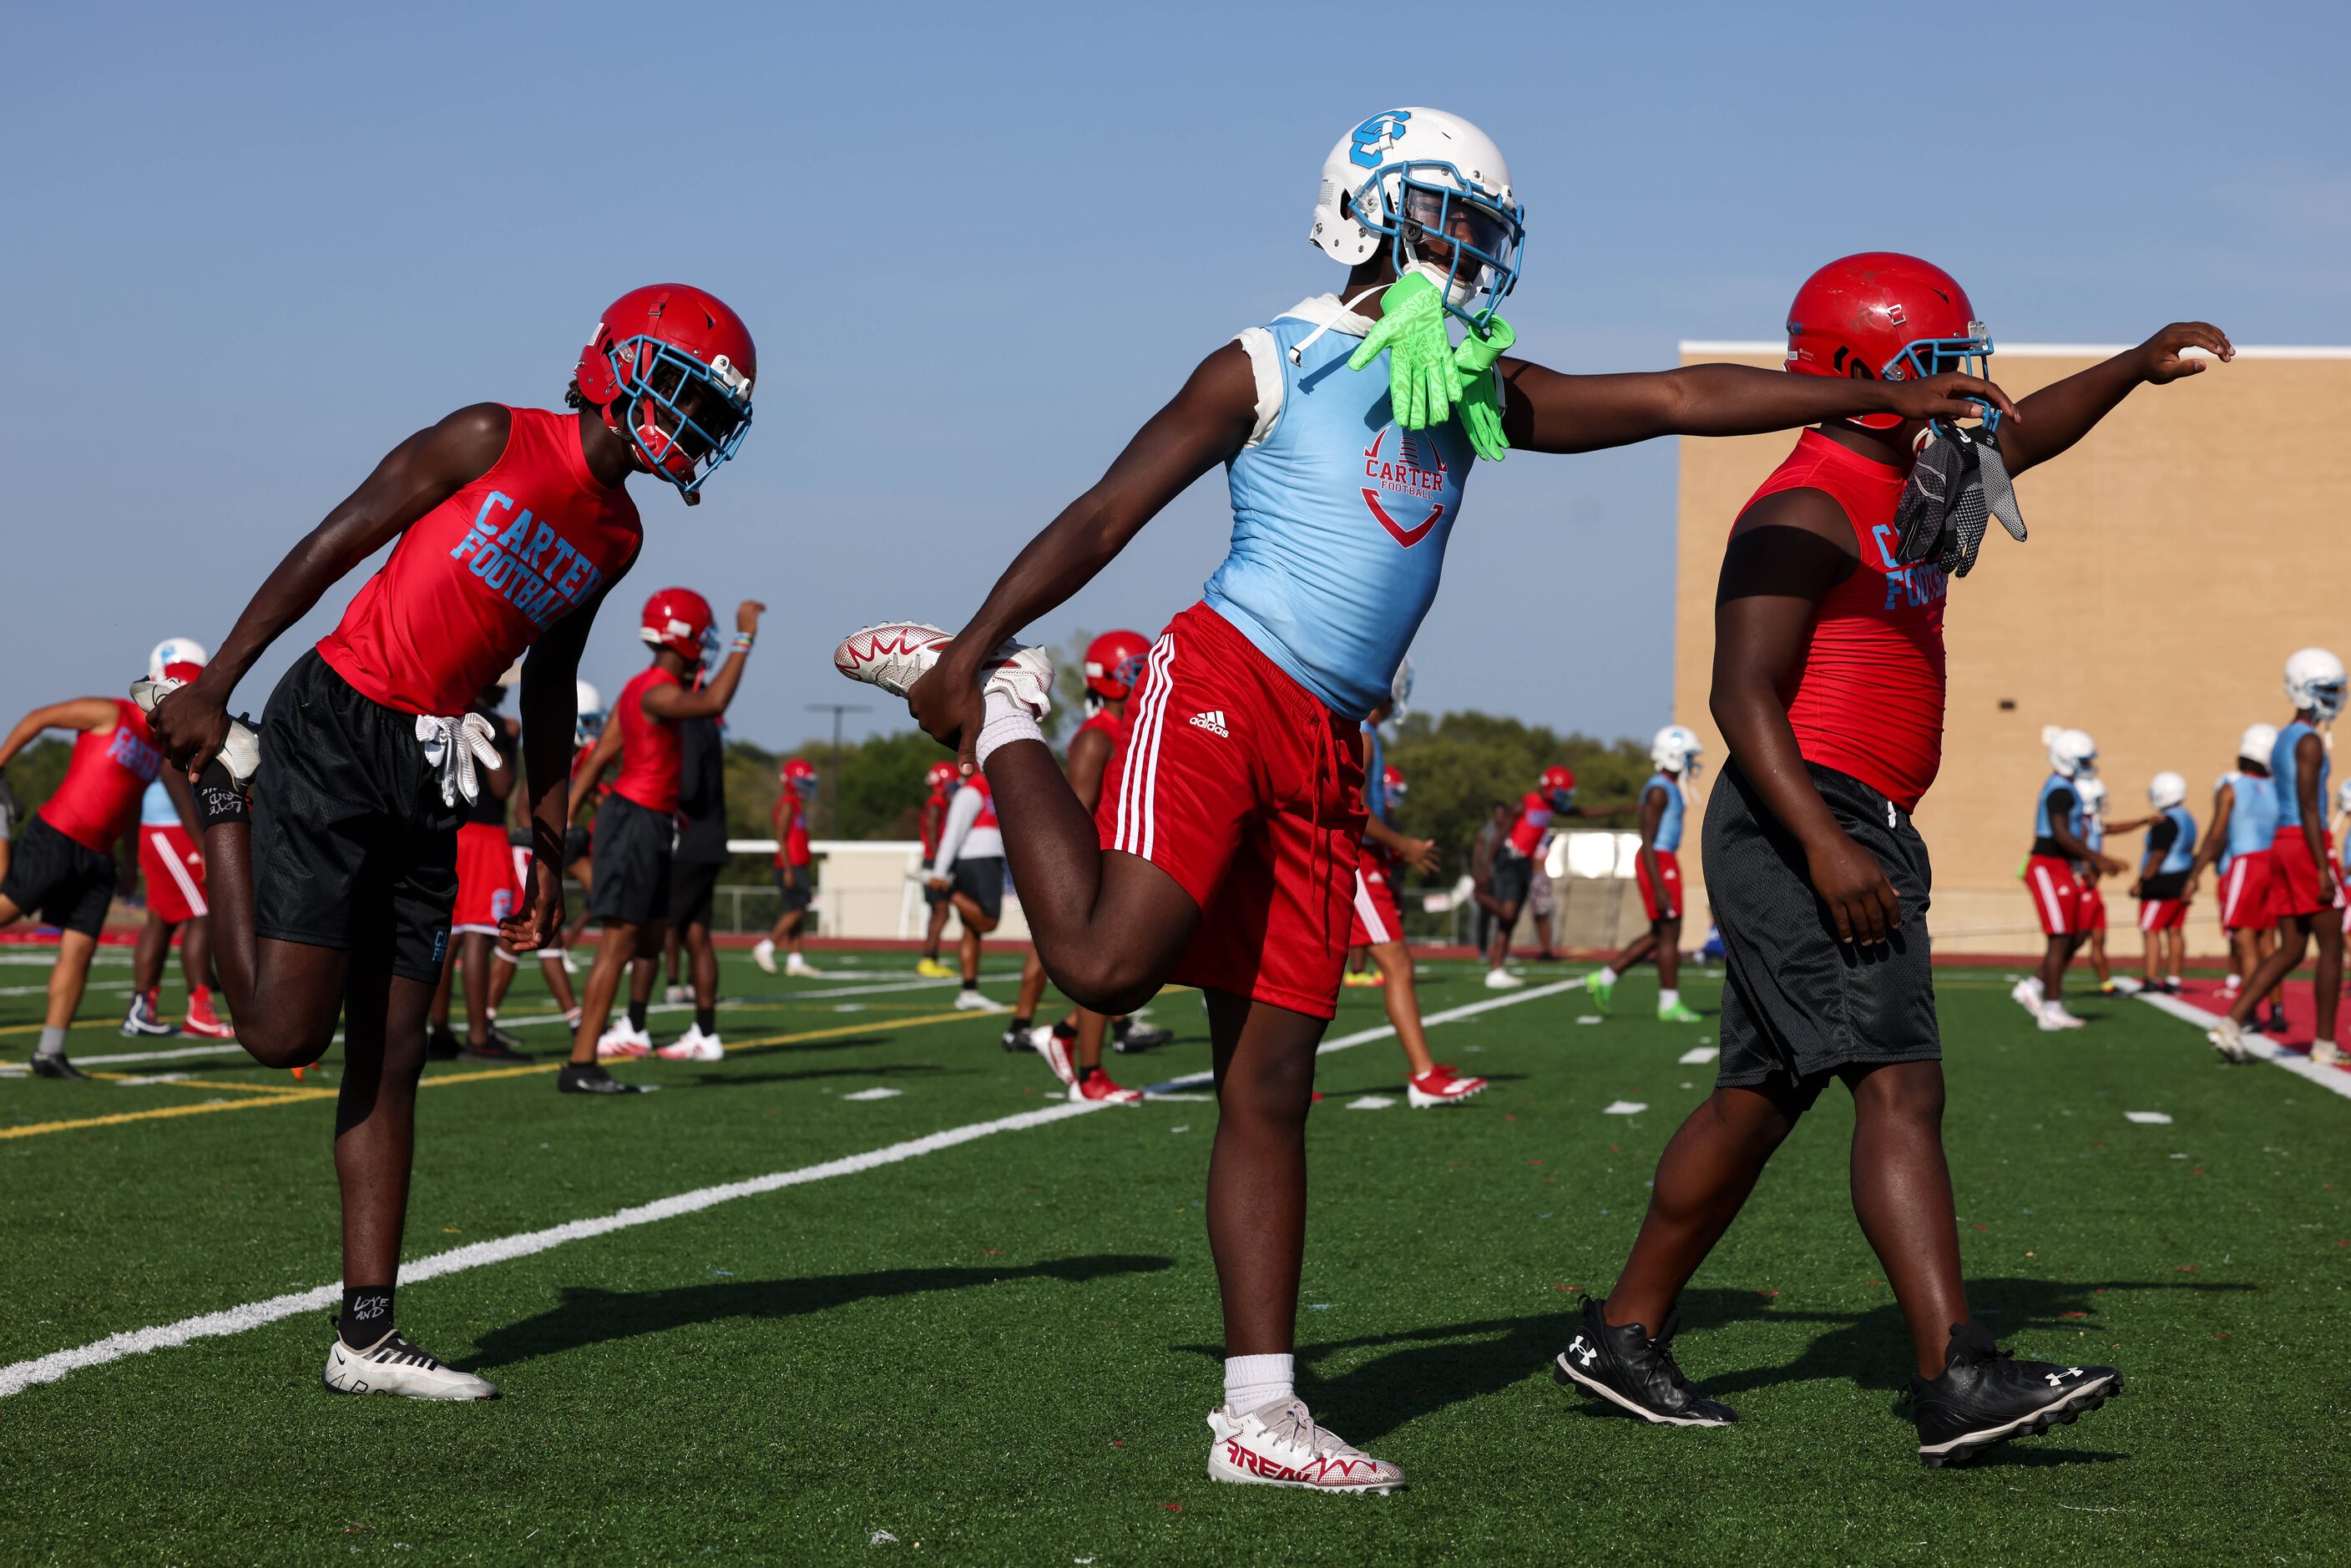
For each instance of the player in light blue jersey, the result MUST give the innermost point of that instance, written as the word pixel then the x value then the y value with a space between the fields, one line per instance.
pixel 1659 874
pixel 2237 845
pixel 2162 889
pixel 1226 859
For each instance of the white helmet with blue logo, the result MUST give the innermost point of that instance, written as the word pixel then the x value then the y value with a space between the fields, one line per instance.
pixel 2167 789
pixel 2258 741
pixel 2071 753
pixel 2314 679
pixel 1413 175
pixel 1676 749
pixel 175 651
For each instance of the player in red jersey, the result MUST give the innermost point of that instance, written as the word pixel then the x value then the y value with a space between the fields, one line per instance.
pixel 941 779
pixel 62 868
pixel 1073 1047
pixel 172 868
pixel 332 885
pixel 1828 684
pixel 636 827
pixel 488 893
pixel 1518 861
pixel 795 868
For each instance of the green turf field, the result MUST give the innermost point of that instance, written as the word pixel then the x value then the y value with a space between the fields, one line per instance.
pixel 1002 1350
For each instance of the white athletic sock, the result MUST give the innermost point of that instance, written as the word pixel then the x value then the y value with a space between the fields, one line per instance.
pixel 1007 721
pixel 53 1043
pixel 1608 975
pixel 1253 1382
pixel 1667 999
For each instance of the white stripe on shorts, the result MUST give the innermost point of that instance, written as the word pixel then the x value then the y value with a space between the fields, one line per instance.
pixel 2059 912
pixel 1135 832
pixel 188 888
pixel 1368 912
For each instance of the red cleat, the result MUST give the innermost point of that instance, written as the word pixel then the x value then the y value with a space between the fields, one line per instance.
pixel 203 1021
pixel 1096 1085
pixel 1440 1085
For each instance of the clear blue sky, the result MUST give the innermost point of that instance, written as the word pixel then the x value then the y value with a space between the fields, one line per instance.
pixel 250 248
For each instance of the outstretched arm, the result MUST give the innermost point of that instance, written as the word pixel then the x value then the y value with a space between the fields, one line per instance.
pixel 592 768
pixel 1548 412
pixel 674 702
pixel 416 476
pixel 2061 414
pixel 2216 837
pixel 74 713
pixel 1205 424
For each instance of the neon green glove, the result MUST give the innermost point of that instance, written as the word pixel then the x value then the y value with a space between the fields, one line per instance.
pixel 1411 328
pixel 1481 410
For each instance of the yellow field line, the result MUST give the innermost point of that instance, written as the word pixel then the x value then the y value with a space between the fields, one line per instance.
pixel 286 1096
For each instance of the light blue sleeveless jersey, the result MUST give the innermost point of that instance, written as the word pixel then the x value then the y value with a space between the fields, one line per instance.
pixel 1669 826
pixel 155 808
pixel 2285 774
pixel 2181 854
pixel 2253 819
pixel 2049 786
pixel 1340 522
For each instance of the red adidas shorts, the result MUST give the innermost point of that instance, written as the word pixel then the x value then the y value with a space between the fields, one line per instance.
pixel 487 889
pixel 2247 892
pixel 2162 913
pixel 174 870
pixel 2293 877
pixel 1378 917
pixel 2093 907
pixel 2056 894
pixel 1243 786
pixel 1669 872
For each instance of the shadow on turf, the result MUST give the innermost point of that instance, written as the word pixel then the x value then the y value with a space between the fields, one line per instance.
pixel 592 1316
pixel 1431 1368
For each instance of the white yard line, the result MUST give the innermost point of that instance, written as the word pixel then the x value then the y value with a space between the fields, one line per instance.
pixel 17 1376
pixel 2333 1079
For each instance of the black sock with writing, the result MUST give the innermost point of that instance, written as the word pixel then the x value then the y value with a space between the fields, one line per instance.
pixel 367 1315
pixel 218 799
pixel 706 1020
pixel 637 1017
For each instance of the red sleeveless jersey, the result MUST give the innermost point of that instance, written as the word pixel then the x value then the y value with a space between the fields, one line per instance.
pixel 1117 729
pixel 1869 699
pixel 793 849
pixel 477 579
pixel 1534 821
pixel 987 818
pixel 652 755
pixel 929 825
pixel 97 799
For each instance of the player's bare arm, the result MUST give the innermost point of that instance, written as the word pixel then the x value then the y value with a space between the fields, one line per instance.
pixel 1653 817
pixel 1786 552
pixel 1547 411
pixel 1418 853
pixel 94 715
pixel 2061 413
pixel 601 757
pixel 1203 425
pixel 549 704
pixel 2216 837
pixel 416 476
pixel 2310 760
pixel 671 704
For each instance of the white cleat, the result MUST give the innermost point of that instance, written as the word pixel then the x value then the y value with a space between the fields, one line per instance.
pixel 2052 1016
pixel 692 1046
pixel 240 752
pixel 2326 1054
pixel 1047 1042
pixel 970 1001
pixel 1440 1085
pixel 622 1043
pixel 1502 980
pixel 676 996
pixel 2228 1039
pixel 894 654
pixel 1278 1445
pixel 763 953
pixel 2026 994
pixel 796 964
pixel 393 1366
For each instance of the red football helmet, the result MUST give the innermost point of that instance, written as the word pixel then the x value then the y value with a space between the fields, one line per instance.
pixel 1884 315
pixel 1115 662
pixel 679 619
pixel 799 774
pixel 1558 786
pixel 671 351
pixel 942 775
pixel 1392 786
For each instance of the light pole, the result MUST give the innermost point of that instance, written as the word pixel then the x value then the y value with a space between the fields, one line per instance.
pixel 836 709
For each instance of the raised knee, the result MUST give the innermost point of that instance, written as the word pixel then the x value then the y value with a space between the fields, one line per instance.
pixel 272 1050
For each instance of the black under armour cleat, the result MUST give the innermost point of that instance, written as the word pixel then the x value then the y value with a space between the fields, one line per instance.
pixel 441 1045
pixel 1634 1373
pixel 1985 1396
pixel 1141 1037
pixel 589 1077
pixel 57 1067
pixel 493 1049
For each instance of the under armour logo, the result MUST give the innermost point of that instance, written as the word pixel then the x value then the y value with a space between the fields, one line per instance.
pixel 1591 1353
pixel 2056 1378
pixel 1213 721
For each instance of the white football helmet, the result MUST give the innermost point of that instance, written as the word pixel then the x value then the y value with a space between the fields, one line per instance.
pixel 2092 792
pixel 2314 679
pixel 1400 692
pixel 2071 753
pixel 2167 789
pixel 175 651
pixel 590 723
pixel 1406 175
pixel 2259 740
pixel 1676 749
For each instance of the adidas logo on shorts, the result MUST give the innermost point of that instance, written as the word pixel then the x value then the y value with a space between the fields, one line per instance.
pixel 1212 721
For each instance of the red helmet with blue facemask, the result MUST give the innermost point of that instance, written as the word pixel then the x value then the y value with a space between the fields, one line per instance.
pixel 1392 789
pixel 1558 787
pixel 670 369
pixel 1884 315
pixel 799 776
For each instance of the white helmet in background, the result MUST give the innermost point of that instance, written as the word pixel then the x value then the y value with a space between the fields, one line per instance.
pixel 2259 740
pixel 175 651
pixel 2071 753
pixel 2092 793
pixel 1400 692
pixel 1676 750
pixel 1406 174
pixel 2343 797
pixel 590 723
pixel 2165 790
pixel 2314 679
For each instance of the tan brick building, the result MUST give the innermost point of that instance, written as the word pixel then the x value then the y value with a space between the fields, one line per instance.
pixel 2200 535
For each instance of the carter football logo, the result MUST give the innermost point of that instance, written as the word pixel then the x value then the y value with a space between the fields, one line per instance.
pixel 1417 474
pixel 1376 136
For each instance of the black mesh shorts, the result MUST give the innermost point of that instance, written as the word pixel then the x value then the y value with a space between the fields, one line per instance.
pixel 933 896
pixel 631 864
pixel 692 890
pixel 354 847
pixel 982 881
pixel 63 882
pixel 1795 1001
pixel 796 893
pixel 577 845
pixel 1512 876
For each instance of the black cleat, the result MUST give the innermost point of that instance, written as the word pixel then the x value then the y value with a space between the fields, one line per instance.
pixel 493 1049
pixel 57 1067
pixel 589 1077
pixel 1986 1396
pixel 443 1046
pixel 1016 1036
pixel 1627 1368
pixel 1141 1037
pixel 501 1038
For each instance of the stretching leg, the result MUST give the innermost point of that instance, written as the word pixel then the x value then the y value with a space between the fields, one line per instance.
pixel 615 949
pixel 2294 941
pixel 196 953
pixel 1506 924
pixel 1643 947
pixel 1032 987
pixel 1264 1061
pixel 1902 1195
pixel 303 984
pixel 375 1119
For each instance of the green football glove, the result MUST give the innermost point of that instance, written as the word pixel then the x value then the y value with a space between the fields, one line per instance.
pixel 1481 412
pixel 1411 328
